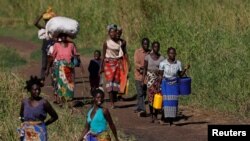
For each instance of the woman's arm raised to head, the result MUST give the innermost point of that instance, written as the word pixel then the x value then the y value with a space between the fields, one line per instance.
pixel 36 22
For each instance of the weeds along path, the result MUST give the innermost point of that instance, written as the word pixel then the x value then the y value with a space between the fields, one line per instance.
pixel 191 126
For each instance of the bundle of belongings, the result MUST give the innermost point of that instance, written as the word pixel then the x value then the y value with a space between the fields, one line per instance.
pixel 56 25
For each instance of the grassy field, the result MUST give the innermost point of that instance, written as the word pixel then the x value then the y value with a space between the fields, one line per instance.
pixel 211 35
pixel 9 58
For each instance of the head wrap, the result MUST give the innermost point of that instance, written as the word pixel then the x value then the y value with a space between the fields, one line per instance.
pixel 112 26
pixel 119 28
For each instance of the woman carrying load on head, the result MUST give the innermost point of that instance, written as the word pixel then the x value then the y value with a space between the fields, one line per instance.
pixel 170 70
pixel 63 52
pixel 151 74
pixel 112 62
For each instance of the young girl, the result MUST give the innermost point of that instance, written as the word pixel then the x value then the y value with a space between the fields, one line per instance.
pixel 97 119
pixel 94 68
pixel 151 71
pixel 33 113
pixel 170 70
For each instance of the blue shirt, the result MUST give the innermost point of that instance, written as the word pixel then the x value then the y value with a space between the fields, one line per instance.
pixel 99 123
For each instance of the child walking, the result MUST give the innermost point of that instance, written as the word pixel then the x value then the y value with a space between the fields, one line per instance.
pixel 94 68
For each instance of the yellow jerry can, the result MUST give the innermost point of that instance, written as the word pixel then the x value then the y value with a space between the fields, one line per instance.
pixel 158 101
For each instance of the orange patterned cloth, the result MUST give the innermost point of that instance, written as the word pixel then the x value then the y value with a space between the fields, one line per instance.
pixel 112 70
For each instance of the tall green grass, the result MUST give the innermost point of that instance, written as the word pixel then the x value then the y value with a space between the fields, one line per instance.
pixel 67 128
pixel 9 58
pixel 211 35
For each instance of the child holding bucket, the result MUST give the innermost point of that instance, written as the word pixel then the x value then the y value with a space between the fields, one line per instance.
pixel 170 70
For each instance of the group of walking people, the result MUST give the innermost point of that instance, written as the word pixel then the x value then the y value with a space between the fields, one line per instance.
pixel 58 56
pixel 152 73
pixel 151 70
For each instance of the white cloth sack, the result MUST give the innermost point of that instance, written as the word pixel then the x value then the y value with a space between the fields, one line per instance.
pixel 42 34
pixel 57 25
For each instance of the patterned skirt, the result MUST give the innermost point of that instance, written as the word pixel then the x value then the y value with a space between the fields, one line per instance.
pixel 64 79
pixel 104 136
pixel 153 83
pixel 170 92
pixel 31 131
pixel 112 70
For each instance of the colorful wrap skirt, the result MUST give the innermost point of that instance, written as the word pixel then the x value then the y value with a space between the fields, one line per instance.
pixel 170 92
pixel 112 68
pixel 153 82
pixel 103 136
pixel 64 73
pixel 33 131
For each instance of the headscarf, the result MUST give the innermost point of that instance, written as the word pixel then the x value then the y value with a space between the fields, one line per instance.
pixel 119 28
pixel 112 26
pixel 49 14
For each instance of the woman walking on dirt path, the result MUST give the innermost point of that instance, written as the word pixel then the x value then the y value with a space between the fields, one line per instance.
pixel 63 52
pixel 97 119
pixel 125 64
pixel 151 74
pixel 33 113
pixel 170 70
pixel 46 16
pixel 112 62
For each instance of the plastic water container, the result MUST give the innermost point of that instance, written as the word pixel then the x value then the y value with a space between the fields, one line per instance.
pixel 185 85
pixel 172 87
pixel 157 101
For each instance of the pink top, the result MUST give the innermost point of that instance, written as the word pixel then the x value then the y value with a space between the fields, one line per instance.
pixel 64 53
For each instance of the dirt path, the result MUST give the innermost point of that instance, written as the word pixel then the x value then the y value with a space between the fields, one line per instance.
pixel 191 126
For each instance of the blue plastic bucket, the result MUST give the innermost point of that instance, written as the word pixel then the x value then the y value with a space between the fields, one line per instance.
pixel 170 87
pixel 185 85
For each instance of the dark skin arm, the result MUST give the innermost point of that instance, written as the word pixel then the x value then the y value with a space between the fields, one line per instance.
pixel 124 49
pixel 85 131
pixel 49 64
pixel 104 53
pixel 51 112
pixel 21 111
pixel 36 22
pixel 144 71
pixel 181 73
pixel 160 77
pixel 110 122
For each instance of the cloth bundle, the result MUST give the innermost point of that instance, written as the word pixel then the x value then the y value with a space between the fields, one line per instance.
pixel 57 25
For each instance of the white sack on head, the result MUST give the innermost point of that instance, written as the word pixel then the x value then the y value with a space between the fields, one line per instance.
pixel 57 25
pixel 42 34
